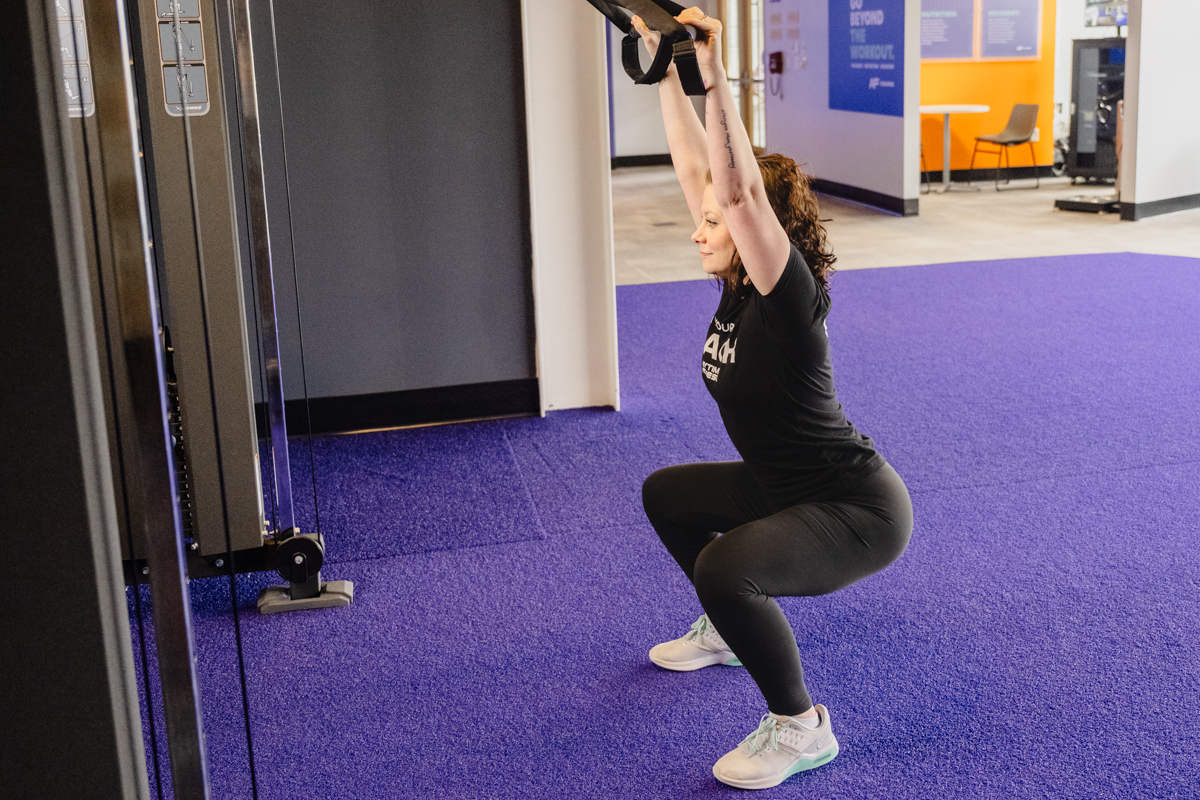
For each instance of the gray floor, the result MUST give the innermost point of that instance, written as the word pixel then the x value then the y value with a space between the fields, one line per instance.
pixel 653 228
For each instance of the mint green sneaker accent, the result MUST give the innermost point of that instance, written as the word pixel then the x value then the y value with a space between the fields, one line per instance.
pixel 766 737
pixel 699 628
pixel 812 763
pixel 703 626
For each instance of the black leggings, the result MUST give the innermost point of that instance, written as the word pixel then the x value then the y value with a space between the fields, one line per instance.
pixel 808 549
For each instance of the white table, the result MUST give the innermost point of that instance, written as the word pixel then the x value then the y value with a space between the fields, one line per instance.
pixel 946 111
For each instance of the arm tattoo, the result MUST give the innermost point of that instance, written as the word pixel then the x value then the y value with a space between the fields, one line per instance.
pixel 728 141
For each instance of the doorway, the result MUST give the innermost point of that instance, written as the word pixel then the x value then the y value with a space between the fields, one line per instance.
pixel 743 48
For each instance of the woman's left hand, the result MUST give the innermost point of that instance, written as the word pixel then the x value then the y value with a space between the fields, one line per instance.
pixel 707 39
pixel 650 38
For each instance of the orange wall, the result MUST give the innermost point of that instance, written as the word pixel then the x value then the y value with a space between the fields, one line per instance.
pixel 998 84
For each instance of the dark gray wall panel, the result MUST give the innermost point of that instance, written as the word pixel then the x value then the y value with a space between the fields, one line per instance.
pixel 406 157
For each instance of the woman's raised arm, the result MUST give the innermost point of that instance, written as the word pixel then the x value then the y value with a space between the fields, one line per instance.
pixel 685 133
pixel 737 183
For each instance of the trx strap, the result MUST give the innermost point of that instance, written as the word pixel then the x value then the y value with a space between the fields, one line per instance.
pixel 676 43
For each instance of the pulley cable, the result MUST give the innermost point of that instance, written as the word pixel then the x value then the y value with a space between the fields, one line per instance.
pixel 676 43
pixel 312 464
pixel 112 387
pixel 262 367
pixel 212 393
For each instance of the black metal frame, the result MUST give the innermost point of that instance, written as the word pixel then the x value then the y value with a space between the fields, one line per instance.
pixel 70 707
pixel 1002 153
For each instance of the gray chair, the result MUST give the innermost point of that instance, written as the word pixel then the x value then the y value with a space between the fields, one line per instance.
pixel 1019 130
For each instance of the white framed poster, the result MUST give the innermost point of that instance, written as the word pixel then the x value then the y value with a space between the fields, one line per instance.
pixel 981 30
pixel 1010 30
pixel 947 30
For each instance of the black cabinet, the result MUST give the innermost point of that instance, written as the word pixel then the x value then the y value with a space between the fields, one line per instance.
pixel 1097 85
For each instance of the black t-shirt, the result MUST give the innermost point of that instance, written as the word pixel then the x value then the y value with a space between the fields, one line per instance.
pixel 766 363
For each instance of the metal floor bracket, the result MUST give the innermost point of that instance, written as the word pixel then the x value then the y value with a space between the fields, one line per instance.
pixel 1090 203
pixel 277 599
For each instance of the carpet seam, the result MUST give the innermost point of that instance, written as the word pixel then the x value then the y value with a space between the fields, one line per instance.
pixel 537 516
pixel 1053 477
pixel 547 538
pixel 383 556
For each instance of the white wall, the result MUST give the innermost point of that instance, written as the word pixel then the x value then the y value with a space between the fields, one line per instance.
pixel 1069 27
pixel 869 151
pixel 570 188
pixel 636 115
pixel 1161 158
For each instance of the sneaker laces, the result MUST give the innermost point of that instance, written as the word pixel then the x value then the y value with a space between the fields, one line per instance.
pixel 766 737
pixel 699 628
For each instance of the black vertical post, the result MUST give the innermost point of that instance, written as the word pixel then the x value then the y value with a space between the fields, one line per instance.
pixel 147 458
pixel 69 721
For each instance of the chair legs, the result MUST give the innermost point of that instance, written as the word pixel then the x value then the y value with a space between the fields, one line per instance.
pixel 1002 153
pixel 1002 156
pixel 926 186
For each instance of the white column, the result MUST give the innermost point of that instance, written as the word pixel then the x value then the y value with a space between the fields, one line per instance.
pixel 1160 161
pixel 912 100
pixel 570 200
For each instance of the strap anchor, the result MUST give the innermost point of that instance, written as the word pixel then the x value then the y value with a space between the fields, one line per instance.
pixel 676 43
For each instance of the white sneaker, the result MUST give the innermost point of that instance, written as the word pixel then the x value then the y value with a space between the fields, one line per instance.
pixel 776 751
pixel 700 647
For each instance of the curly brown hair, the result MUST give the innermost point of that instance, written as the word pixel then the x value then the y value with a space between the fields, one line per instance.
pixel 795 205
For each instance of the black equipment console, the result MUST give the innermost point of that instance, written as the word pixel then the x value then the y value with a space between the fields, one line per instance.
pixel 1097 86
pixel 676 44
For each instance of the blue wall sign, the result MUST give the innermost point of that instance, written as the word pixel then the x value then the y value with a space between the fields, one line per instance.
pixel 866 56
pixel 947 29
pixel 1011 28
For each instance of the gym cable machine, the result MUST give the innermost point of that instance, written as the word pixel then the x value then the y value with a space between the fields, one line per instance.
pixel 143 83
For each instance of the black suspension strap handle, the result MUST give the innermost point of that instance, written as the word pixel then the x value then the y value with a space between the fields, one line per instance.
pixel 676 43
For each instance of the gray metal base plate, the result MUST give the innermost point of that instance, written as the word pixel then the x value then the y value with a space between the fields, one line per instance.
pixel 275 599
pixel 1090 204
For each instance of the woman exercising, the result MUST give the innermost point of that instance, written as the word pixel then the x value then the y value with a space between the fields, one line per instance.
pixel 812 507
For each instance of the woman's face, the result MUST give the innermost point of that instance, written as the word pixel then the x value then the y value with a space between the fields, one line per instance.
pixel 716 246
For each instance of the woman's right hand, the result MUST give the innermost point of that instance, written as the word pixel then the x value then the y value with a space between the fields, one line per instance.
pixel 707 39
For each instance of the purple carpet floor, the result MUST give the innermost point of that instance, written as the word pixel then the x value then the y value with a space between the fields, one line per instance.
pixel 1039 639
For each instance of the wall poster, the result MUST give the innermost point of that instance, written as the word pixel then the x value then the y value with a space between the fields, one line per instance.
pixel 1012 29
pixel 866 56
pixel 981 30
pixel 947 29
